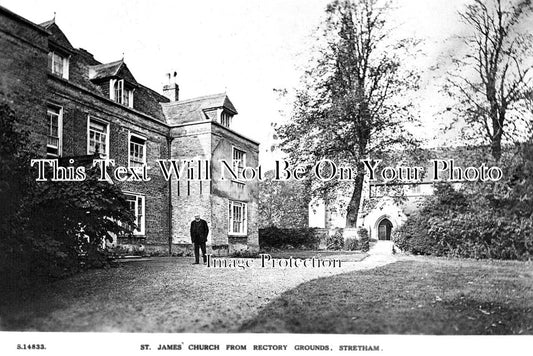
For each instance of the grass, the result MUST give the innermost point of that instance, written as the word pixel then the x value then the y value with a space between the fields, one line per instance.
pixel 420 296
pixel 412 296
pixel 155 295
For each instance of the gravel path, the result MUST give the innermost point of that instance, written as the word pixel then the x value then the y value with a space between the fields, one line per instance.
pixel 163 295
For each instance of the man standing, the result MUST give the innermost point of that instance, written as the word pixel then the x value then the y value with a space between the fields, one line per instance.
pixel 199 231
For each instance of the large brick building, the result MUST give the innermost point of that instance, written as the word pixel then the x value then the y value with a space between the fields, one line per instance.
pixel 76 106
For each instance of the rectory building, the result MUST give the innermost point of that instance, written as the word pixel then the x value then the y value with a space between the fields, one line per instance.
pixel 75 106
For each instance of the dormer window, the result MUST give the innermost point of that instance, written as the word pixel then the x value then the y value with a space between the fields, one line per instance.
pixel 58 64
pixel 225 119
pixel 120 93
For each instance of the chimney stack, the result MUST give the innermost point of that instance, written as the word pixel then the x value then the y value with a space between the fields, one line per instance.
pixel 171 90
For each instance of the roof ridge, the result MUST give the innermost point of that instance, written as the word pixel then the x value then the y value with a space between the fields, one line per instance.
pixel 48 23
pixel 153 91
pixel 110 64
pixel 197 98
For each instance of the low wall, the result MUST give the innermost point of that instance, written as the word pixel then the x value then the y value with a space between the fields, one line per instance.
pixel 235 245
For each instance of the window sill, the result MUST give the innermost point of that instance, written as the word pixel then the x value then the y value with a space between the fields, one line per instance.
pixel 59 75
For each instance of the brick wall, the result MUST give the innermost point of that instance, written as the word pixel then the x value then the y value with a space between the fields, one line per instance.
pixel 223 141
pixel 23 71
pixel 26 84
pixel 77 107
pixel 212 142
pixel 190 198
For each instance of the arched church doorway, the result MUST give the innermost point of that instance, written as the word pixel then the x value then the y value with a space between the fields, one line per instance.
pixel 384 229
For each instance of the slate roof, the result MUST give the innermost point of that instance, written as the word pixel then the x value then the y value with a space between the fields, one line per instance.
pixel 109 70
pixel 87 72
pixel 195 109
pixel 57 35
pixel 146 100
pixel 106 70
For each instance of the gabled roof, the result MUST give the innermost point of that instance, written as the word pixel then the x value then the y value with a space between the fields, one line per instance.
pixel 48 23
pixel 195 109
pixel 57 35
pixel 110 70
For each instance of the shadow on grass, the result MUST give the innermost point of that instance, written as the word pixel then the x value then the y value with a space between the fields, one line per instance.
pixel 24 301
pixel 424 296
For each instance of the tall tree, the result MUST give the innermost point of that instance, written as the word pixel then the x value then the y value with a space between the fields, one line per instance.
pixel 350 105
pixel 492 81
pixel 283 204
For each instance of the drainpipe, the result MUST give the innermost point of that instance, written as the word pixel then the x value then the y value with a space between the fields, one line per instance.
pixel 169 147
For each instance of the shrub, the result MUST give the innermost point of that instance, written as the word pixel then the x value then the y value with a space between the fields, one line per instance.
pixel 361 243
pixel 72 220
pixel 472 225
pixel 351 244
pixel 273 237
pixel 335 241
pixel 50 229
pixel 364 239
pixel 413 236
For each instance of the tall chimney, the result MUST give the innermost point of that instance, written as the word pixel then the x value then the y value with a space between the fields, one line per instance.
pixel 171 90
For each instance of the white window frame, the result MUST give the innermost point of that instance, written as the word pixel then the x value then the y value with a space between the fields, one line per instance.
pixel 231 231
pixel 102 122
pixel 139 230
pixel 224 115
pixel 65 68
pixel 130 135
pixel 130 97
pixel 236 168
pixel 49 108
pixel 112 89
pixel 123 91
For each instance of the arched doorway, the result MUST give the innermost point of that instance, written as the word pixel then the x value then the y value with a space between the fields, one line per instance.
pixel 384 229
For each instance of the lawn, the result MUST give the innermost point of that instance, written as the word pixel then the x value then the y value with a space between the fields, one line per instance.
pixel 157 295
pixel 411 296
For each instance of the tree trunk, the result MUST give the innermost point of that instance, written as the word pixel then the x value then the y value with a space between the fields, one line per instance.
pixel 496 115
pixel 496 142
pixel 496 147
pixel 353 206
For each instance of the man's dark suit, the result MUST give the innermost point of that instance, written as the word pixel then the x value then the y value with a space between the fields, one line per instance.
pixel 199 231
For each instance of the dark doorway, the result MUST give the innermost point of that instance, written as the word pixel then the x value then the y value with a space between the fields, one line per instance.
pixel 384 229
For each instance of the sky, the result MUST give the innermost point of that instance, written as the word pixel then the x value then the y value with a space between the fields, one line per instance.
pixel 246 48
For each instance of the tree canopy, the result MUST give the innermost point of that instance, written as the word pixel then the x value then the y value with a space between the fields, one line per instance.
pixel 492 81
pixel 351 105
